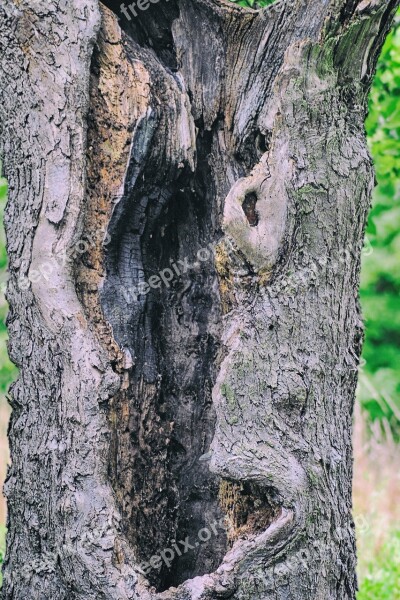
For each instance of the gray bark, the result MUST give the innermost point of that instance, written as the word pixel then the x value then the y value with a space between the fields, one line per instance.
pixel 141 419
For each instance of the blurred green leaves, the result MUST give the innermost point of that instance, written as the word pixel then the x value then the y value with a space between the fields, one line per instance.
pixel 8 371
pixel 379 389
pixel 253 3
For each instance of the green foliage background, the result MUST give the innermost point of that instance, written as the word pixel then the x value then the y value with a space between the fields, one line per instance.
pixel 379 389
pixel 254 3
pixel 7 369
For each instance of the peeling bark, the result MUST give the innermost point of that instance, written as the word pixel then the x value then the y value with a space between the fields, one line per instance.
pixel 163 386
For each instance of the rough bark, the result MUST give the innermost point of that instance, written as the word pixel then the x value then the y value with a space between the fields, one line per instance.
pixel 142 416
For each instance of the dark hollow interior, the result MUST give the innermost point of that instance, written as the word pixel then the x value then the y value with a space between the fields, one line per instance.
pixel 163 423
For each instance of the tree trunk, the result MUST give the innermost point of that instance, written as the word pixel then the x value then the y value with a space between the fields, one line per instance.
pixel 188 191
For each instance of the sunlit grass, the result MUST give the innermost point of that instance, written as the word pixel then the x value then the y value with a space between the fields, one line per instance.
pixel 377 510
pixel 381 580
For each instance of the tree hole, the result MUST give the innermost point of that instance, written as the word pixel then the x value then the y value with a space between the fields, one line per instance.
pixel 263 142
pixel 248 509
pixel 249 209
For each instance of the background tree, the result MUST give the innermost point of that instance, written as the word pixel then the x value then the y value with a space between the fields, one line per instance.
pixel 130 149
